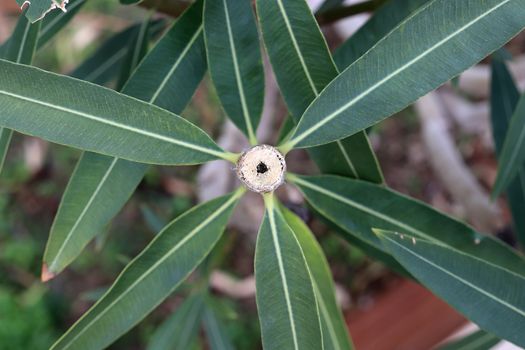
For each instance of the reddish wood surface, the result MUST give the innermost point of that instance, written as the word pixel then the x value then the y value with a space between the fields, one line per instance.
pixel 9 6
pixel 405 317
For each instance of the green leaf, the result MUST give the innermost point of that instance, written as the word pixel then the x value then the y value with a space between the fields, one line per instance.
pixel 503 99
pixel 97 190
pixel 170 83
pixel 152 276
pixel 138 47
pixel 37 9
pixel 298 52
pixel 52 24
pixel 234 58
pixel 489 295
pixel 20 48
pixel 303 66
pixel 335 331
pixel 512 156
pixel 218 339
pixel 5 141
pixel 181 329
pixel 107 60
pixel 455 81
pixel 404 66
pixel 384 19
pixel 57 20
pixel 102 121
pixel 101 185
pixel 479 340
pixel 286 300
pixel 357 206
pixel 23 42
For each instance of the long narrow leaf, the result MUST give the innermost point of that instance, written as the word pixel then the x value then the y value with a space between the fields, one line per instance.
pixel 286 300
pixel 151 276
pixel 232 46
pixel 20 49
pixel 487 294
pixel 101 185
pixel 512 155
pixel 171 72
pixel 357 206
pixel 52 24
pixel 180 330
pixel 407 63
pixel 5 141
pixel 303 67
pixel 102 120
pixel 384 19
pixel 217 337
pixel 57 20
pixel 96 184
pixel 137 49
pixel 98 188
pixel 335 331
pixel 37 9
pixel 106 62
pixel 503 100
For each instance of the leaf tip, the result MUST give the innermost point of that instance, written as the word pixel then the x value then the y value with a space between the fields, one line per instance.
pixel 378 232
pixel 46 274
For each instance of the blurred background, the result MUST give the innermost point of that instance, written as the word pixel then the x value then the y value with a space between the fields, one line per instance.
pixel 440 151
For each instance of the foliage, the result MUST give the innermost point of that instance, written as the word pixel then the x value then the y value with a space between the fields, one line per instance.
pixel 26 321
pixel 121 132
pixel 504 99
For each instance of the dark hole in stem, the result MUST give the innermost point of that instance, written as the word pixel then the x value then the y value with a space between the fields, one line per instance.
pixel 261 168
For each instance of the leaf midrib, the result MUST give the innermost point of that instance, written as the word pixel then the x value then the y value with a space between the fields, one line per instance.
pixel 172 70
pixel 326 316
pixel 117 125
pixel 238 78
pixel 8 134
pixel 214 328
pixel 296 47
pixel 294 141
pixel 139 44
pixel 361 207
pixel 112 165
pixel 310 80
pixel 461 280
pixel 182 242
pixel 386 218
pixel 187 327
pixel 108 63
pixel 275 239
pixel 23 42
pixel 82 214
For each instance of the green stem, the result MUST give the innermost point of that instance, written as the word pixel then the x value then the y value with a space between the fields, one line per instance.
pixel 286 147
pixel 269 201
pixel 230 157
